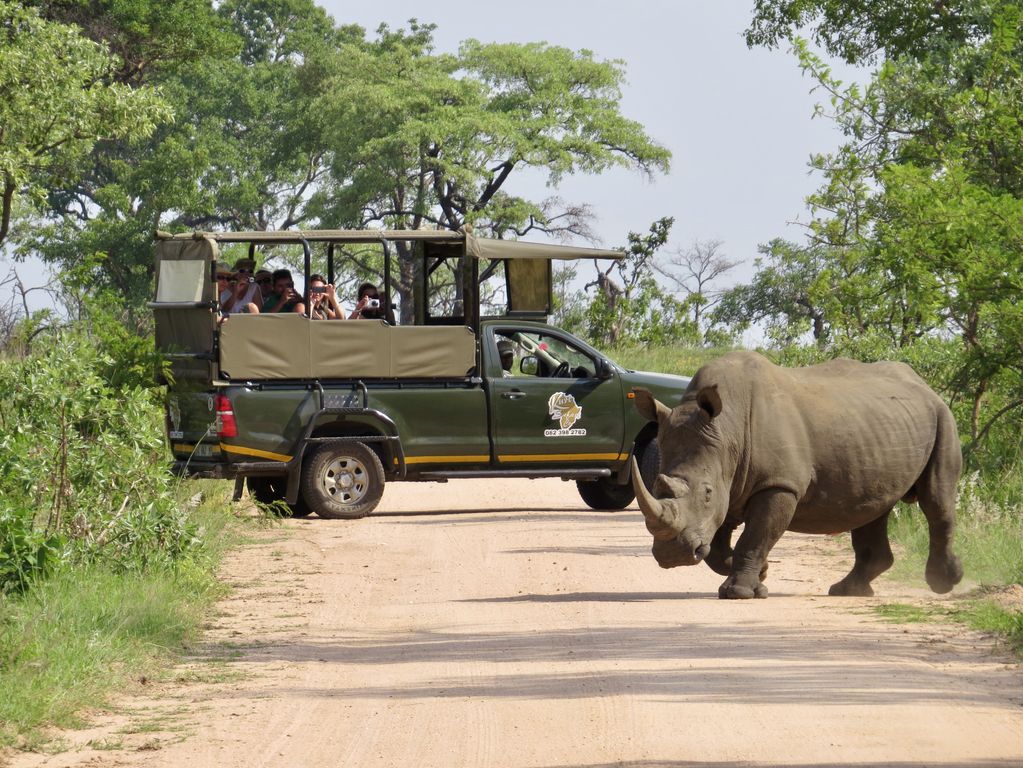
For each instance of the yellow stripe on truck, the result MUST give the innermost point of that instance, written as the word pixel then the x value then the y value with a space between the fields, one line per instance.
pixel 562 457
pixel 445 459
pixel 190 447
pixel 259 454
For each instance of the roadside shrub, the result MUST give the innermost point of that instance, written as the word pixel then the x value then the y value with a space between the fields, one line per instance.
pixel 82 464
pixel 25 554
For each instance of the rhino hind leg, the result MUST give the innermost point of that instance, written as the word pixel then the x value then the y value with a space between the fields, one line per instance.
pixel 873 557
pixel 936 495
pixel 944 568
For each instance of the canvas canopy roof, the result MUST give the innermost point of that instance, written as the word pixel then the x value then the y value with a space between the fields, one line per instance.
pixel 479 247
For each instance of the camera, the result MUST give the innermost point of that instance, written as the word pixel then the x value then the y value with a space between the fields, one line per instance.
pixel 318 289
pixel 373 304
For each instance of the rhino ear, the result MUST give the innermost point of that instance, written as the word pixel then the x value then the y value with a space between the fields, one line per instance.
pixel 709 400
pixel 648 405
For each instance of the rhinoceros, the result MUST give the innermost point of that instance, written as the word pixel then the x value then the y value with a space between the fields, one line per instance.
pixel 823 449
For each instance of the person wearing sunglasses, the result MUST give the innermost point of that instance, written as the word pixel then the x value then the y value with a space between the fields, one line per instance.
pixel 242 290
pixel 371 305
pixel 322 300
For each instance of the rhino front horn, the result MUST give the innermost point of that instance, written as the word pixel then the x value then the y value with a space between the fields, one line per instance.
pixel 657 517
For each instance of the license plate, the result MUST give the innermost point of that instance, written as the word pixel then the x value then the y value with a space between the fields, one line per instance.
pixel 203 451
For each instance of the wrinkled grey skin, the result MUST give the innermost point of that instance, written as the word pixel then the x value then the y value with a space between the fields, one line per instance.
pixel 823 449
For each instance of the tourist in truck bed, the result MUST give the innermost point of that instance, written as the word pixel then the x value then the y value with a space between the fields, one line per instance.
pixel 284 297
pixel 322 300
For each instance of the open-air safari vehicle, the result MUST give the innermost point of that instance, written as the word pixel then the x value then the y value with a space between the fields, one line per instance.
pixel 322 413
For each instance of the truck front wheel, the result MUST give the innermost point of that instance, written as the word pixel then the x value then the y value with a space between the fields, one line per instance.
pixel 650 463
pixel 343 481
pixel 604 494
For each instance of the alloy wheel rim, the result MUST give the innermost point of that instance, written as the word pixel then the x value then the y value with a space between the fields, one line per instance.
pixel 345 480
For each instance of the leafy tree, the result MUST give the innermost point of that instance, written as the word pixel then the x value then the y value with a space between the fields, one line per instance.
pixel 57 99
pixel 860 31
pixel 424 139
pixel 149 37
pixel 242 153
pixel 783 295
pixel 917 229
pixel 284 119
pixel 569 310
pixel 629 304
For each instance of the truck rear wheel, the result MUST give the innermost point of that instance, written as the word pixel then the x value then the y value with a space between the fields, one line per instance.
pixel 604 494
pixel 267 490
pixel 343 481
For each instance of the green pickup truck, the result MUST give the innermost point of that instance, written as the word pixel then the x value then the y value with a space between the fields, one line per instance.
pixel 320 413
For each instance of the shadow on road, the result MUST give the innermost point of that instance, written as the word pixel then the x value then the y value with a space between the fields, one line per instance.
pixel 787 764
pixel 594 597
pixel 509 514
pixel 799 665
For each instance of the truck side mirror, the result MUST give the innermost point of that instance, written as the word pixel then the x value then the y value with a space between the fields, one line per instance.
pixel 529 365
pixel 604 369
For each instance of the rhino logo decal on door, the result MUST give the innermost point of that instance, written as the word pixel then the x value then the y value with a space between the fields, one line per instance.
pixel 563 408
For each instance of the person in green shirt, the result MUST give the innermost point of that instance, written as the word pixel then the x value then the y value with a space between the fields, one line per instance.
pixel 284 297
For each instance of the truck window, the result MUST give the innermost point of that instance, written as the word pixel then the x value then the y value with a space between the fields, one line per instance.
pixel 544 356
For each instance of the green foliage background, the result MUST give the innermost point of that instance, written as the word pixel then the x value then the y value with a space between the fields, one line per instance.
pixel 82 457
pixel 264 114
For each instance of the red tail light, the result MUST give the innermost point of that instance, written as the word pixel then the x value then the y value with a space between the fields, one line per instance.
pixel 226 425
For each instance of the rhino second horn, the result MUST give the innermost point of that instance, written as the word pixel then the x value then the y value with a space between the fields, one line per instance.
pixel 653 509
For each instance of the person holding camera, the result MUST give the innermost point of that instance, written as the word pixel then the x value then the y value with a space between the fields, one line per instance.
pixel 371 306
pixel 241 290
pixel 322 300
pixel 284 297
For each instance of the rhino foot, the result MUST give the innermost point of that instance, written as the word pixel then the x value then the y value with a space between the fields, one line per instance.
pixel 732 591
pixel 943 573
pixel 850 588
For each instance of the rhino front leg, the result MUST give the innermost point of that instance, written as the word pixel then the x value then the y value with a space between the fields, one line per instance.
pixel 873 557
pixel 720 556
pixel 768 515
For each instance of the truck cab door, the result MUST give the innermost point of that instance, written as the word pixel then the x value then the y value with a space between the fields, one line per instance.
pixel 557 405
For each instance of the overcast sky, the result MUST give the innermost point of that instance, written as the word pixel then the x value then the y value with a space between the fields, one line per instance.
pixel 737 121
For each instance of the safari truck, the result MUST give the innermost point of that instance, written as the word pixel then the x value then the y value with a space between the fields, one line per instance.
pixel 321 413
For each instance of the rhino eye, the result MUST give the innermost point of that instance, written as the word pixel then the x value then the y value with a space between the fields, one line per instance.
pixel 707 492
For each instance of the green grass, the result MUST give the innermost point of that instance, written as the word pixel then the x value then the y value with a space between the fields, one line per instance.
pixel 990 617
pixel 683 361
pixel 88 631
pixel 989 540
pixel 898 613
pixel 976 612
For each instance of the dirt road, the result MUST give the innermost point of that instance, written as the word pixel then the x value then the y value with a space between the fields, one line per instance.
pixel 502 623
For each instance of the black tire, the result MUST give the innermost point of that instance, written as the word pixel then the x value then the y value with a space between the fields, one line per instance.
pixel 267 490
pixel 343 481
pixel 649 463
pixel 604 494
